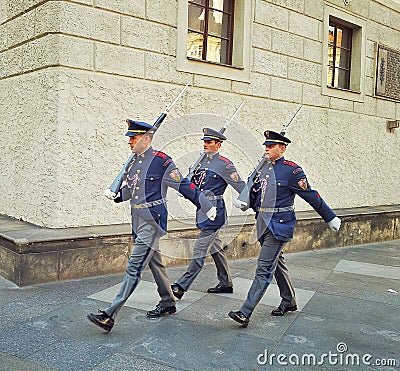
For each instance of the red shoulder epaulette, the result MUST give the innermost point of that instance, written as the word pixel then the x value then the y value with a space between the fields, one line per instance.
pixel 290 163
pixel 224 159
pixel 160 154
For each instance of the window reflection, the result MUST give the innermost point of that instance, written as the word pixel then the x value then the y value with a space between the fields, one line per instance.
pixel 210 30
pixel 339 55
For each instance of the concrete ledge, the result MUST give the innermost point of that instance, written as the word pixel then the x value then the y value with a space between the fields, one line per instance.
pixel 30 254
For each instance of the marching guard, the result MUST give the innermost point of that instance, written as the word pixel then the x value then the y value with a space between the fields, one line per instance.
pixel 272 198
pixel 212 175
pixel 146 183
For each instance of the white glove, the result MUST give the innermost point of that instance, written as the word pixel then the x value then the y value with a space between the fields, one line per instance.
pixel 110 194
pixel 212 213
pixel 334 224
pixel 239 204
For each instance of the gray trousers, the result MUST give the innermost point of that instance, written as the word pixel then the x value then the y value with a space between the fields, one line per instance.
pixel 207 241
pixel 145 252
pixel 270 262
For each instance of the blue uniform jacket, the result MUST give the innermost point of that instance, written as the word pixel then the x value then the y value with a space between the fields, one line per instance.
pixel 146 186
pixel 212 176
pixel 276 187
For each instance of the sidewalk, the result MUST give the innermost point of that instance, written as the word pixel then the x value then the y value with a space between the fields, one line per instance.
pixel 348 298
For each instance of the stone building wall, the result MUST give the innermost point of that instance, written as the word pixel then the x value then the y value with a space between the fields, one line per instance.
pixel 71 72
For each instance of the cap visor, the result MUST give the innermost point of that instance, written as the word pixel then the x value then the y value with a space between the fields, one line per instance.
pixel 129 134
pixel 270 143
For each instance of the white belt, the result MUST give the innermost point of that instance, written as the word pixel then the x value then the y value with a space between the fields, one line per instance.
pixel 275 209
pixel 150 204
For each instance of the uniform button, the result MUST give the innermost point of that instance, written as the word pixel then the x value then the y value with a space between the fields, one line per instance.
pixel 267 176
pixel 215 176
pixel 262 200
pixel 270 168
pixel 206 168
pixel 201 189
pixel 140 161
pixel 279 184
pixel 136 197
pixel 281 221
pixel 151 178
pixel 138 171
pixel 137 187
pixel 203 182
pixel 208 162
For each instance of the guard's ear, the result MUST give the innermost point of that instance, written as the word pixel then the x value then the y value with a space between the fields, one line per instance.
pixel 148 137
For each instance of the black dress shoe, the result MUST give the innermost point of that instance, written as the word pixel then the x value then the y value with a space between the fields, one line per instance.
pixel 160 310
pixel 220 290
pixel 239 317
pixel 282 309
pixel 102 320
pixel 177 291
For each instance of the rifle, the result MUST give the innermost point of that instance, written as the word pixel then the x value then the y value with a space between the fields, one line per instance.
pixel 245 194
pixel 195 166
pixel 112 191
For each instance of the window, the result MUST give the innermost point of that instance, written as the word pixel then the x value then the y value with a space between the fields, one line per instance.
pixel 210 30
pixel 344 55
pixel 214 38
pixel 339 56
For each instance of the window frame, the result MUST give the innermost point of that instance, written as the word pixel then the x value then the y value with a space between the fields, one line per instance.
pixel 239 70
pixel 229 39
pixel 356 91
pixel 335 47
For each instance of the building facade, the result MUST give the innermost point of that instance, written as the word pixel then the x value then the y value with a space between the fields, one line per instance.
pixel 71 72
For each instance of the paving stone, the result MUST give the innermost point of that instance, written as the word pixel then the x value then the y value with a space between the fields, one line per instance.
pixel 313 274
pixel 369 255
pixel 320 335
pixel 10 294
pixel 368 269
pixel 124 362
pixel 193 346
pixel 362 287
pixel 12 363
pixel 271 296
pixel 326 259
pixel 213 310
pixel 10 224
pixel 305 285
pixel 5 284
pixel 340 308
pixel 72 354
pixel 25 339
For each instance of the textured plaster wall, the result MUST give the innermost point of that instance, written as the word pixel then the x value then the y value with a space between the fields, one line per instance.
pixel 67 84
pixel 29 146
